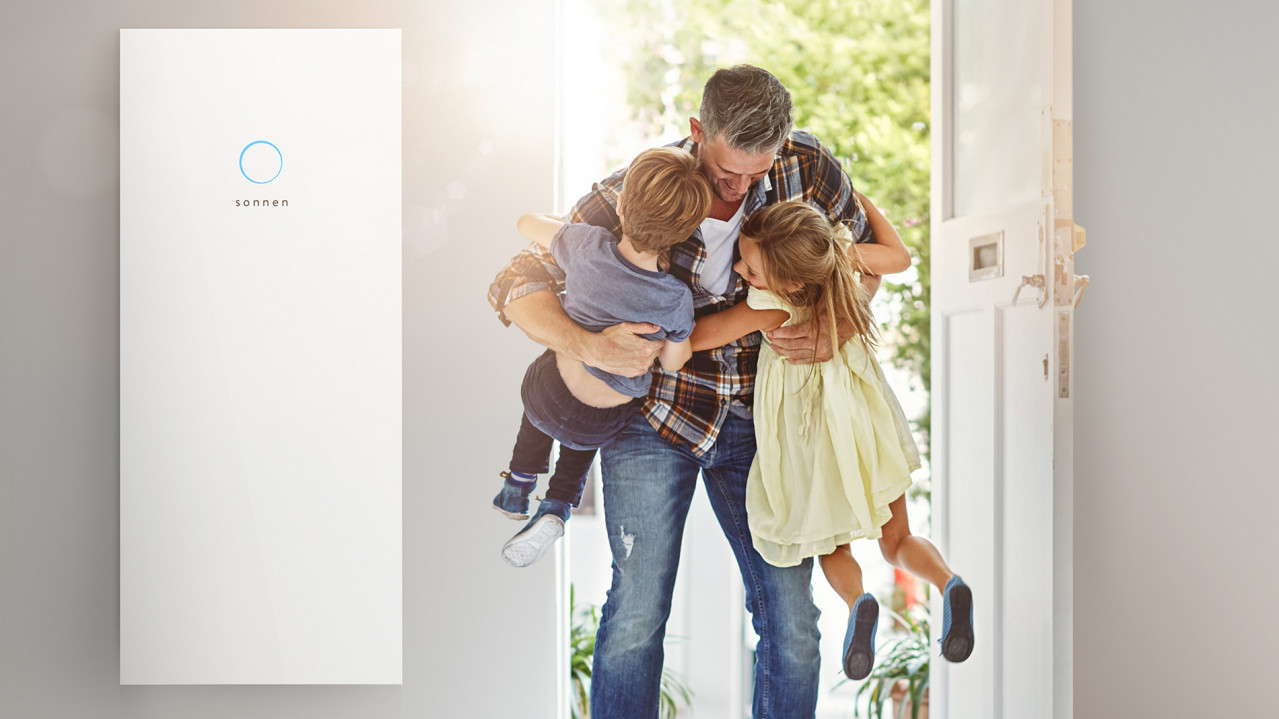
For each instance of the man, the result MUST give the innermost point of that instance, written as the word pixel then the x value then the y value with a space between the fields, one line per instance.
pixel 698 419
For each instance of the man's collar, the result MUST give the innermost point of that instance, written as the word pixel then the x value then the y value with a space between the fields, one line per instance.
pixel 757 196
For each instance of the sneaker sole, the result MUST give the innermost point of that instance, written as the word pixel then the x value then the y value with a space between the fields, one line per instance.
pixel 860 657
pixel 528 546
pixel 958 644
pixel 509 515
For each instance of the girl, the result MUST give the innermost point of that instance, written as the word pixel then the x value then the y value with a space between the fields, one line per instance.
pixel 834 452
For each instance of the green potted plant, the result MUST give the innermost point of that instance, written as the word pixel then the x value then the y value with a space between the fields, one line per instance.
pixel 586 621
pixel 901 671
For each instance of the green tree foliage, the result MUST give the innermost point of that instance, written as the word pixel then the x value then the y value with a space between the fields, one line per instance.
pixel 858 73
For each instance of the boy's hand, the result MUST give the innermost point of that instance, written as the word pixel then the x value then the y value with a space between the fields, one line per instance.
pixel 620 350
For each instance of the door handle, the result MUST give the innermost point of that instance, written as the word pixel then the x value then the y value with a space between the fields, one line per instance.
pixel 1081 284
pixel 1036 281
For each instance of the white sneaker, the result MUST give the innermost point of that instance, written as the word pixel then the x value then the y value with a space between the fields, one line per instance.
pixel 531 543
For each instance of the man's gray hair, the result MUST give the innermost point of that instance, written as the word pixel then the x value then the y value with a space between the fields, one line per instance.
pixel 748 108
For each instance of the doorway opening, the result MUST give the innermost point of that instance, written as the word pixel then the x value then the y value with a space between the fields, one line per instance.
pixel 631 75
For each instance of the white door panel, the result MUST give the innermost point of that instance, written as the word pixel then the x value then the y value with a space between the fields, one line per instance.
pixel 972 495
pixel 1002 284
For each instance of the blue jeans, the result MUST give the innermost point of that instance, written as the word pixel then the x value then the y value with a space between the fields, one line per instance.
pixel 648 486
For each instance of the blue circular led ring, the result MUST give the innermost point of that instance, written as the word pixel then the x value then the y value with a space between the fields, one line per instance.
pixel 246 149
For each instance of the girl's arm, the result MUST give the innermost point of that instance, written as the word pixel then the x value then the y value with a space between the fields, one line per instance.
pixel 674 354
pixel 887 254
pixel 540 227
pixel 719 329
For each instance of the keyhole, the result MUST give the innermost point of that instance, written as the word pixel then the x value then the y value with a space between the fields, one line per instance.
pixel 1045 368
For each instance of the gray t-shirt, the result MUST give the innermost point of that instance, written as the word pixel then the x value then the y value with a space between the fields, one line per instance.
pixel 603 288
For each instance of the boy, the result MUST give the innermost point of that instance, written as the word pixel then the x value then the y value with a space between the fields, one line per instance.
pixel 607 281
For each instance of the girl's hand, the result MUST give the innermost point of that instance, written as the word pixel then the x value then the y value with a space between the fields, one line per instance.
pixel 887 254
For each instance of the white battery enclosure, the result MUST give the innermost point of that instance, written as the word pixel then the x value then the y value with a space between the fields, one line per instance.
pixel 260 357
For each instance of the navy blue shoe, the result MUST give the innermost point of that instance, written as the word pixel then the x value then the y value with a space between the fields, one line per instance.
pixel 859 640
pixel 512 501
pixel 957 620
pixel 546 526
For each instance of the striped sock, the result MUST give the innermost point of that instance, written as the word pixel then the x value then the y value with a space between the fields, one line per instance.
pixel 521 479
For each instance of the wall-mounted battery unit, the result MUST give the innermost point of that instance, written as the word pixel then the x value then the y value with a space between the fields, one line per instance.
pixel 260 357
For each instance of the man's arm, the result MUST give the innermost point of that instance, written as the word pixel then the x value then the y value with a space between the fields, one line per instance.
pixel 618 349
pixel 525 292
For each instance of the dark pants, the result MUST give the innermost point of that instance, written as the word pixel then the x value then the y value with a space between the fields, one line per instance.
pixel 551 412
pixel 532 455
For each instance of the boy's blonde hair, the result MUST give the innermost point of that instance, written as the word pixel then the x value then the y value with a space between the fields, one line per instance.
pixel 664 197
pixel 805 264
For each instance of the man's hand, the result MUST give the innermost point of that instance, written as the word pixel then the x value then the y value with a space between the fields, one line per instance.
pixel 796 342
pixel 620 350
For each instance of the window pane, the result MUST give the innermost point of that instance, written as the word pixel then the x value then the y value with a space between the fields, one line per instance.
pixel 998 98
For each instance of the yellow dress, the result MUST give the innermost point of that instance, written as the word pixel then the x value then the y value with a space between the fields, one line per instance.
pixel 834 449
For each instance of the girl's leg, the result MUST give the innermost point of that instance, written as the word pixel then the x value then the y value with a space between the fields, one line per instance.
pixel 844 574
pixel 914 554
pixel 919 557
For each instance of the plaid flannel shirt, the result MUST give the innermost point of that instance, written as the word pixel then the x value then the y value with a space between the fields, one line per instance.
pixel 689 406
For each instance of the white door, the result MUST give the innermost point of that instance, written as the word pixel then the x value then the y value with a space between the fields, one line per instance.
pixel 1003 292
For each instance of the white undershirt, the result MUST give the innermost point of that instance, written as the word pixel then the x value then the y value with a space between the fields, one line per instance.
pixel 719 236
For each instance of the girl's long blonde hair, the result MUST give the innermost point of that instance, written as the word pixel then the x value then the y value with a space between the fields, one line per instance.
pixel 806 265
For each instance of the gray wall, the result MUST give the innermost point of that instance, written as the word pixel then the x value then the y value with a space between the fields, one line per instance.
pixel 476 74
pixel 1175 157
pixel 1176 489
